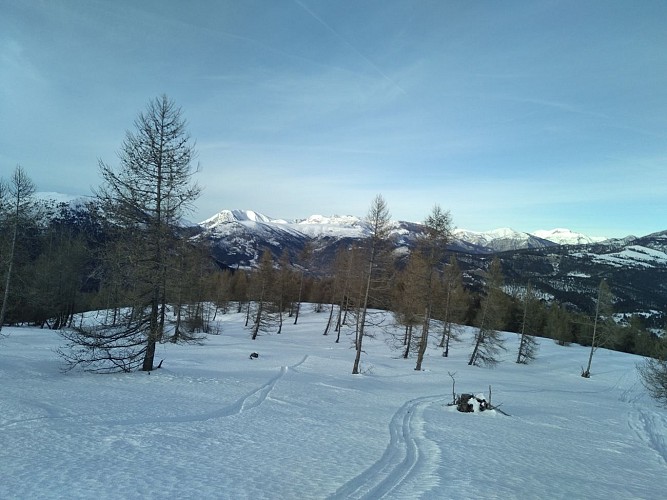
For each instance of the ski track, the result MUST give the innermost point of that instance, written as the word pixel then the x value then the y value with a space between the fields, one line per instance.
pixel 650 427
pixel 247 402
pixel 51 413
pixel 402 459
pixel 251 400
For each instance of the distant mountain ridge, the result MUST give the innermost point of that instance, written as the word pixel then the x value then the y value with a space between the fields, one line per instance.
pixel 497 240
pixel 502 239
pixel 563 236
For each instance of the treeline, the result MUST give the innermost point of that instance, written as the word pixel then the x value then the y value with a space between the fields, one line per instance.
pixel 276 288
pixel 60 262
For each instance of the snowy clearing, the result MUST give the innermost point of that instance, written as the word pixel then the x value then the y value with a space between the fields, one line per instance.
pixel 294 423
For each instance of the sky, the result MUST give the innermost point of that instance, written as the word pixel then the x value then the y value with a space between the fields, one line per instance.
pixel 530 115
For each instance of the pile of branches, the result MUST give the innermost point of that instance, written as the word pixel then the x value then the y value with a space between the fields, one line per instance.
pixel 470 403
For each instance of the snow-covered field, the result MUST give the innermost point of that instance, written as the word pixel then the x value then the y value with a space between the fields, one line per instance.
pixel 295 424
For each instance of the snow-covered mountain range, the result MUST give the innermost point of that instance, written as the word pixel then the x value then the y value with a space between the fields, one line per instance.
pixel 349 226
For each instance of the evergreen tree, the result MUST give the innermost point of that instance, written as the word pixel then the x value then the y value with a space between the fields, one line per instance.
pixel 18 208
pixel 57 278
pixel 558 325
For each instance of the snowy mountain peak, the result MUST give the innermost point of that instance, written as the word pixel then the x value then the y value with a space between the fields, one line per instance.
pixel 335 220
pixel 507 232
pixel 501 239
pixel 74 201
pixel 228 216
pixel 564 236
pixel 484 237
pixel 334 226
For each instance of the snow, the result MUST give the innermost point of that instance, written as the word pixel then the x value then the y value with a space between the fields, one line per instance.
pixel 633 256
pixel 349 226
pixel 485 237
pixel 294 423
pixel 489 238
pixel 227 222
pixel 336 226
pixel 228 216
pixel 56 197
pixel 506 232
pixel 336 220
pixel 564 236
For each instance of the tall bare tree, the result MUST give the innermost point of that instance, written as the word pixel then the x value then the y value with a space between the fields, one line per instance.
pixel 305 262
pixel 19 206
pixel 191 291
pixel 409 299
pixel 378 221
pixel 491 318
pixel 432 246
pixel 602 323
pixel 286 288
pixel 145 198
pixel 453 306
pixel 262 285
pixel 344 282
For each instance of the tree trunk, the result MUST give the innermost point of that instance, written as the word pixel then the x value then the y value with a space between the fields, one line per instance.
pixel 326 330
pixel 153 334
pixel 587 373
pixel 298 304
pixel 360 328
pixel 408 341
pixel 423 342
pixel 5 298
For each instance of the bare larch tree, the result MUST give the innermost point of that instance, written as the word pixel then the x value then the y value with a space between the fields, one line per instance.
pixel 378 221
pixel 145 199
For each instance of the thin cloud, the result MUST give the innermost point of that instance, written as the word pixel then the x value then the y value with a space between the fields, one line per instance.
pixel 350 46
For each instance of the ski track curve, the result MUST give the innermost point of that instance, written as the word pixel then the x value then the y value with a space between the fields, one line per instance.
pixel 402 459
pixel 247 402
pixel 251 400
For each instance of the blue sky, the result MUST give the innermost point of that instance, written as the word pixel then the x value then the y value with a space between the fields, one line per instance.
pixel 530 115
